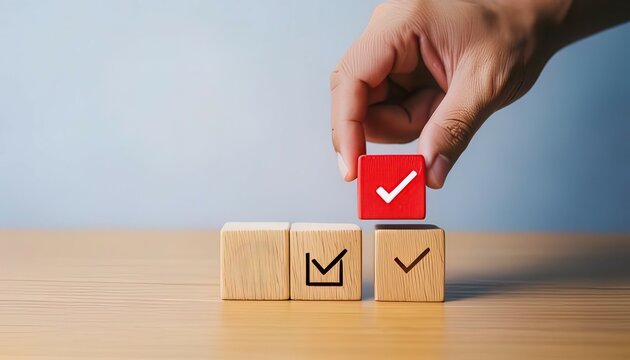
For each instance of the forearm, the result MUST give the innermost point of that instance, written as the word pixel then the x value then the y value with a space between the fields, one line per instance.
pixel 586 17
pixel 572 20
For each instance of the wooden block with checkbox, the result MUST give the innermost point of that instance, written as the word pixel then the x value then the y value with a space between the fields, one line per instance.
pixel 255 261
pixel 409 263
pixel 325 261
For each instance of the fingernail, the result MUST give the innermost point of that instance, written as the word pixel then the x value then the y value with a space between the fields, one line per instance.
pixel 343 168
pixel 439 169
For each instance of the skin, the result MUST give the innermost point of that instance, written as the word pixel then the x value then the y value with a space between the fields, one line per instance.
pixel 435 70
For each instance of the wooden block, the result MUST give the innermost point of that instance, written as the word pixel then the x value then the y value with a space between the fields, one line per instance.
pixel 325 262
pixel 255 261
pixel 409 263
pixel 391 187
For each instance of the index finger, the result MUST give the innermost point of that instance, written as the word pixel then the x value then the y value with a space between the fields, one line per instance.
pixel 365 66
pixel 349 107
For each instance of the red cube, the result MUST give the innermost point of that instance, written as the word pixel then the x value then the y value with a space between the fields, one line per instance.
pixel 391 187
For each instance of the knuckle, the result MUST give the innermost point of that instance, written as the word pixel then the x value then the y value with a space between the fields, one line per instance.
pixel 498 77
pixel 335 79
pixel 458 133
pixel 487 78
pixel 380 9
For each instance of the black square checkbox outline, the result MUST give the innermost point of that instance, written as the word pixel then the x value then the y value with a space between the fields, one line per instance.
pixel 323 270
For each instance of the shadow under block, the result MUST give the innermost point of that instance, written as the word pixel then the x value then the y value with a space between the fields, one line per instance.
pixel 325 261
pixel 255 261
pixel 409 263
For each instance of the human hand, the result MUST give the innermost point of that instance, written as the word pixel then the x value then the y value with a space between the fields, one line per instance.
pixel 435 70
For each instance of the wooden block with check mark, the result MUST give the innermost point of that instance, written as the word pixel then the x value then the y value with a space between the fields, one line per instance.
pixel 325 261
pixel 255 261
pixel 409 263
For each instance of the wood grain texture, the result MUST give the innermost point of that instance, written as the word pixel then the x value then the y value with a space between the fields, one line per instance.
pixel 255 261
pixel 335 248
pixel 155 294
pixel 418 275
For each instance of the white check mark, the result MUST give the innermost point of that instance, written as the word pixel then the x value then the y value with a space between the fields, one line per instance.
pixel 388 197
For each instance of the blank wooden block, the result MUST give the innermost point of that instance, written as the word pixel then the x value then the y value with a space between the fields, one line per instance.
pixel 255 261
pixel 409 263
pixel 325 262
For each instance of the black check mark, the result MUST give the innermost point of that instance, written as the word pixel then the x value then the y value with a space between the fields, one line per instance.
pixel 331 265
pixel 407 269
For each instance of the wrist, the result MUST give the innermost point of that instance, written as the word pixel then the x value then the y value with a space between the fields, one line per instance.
pixel 541 21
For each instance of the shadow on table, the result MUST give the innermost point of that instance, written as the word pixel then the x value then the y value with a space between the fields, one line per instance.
pixel 609 262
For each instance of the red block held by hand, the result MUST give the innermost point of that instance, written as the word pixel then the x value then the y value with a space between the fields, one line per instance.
pixel 391 187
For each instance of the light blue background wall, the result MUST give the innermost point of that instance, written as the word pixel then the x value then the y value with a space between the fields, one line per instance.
pixel 172 114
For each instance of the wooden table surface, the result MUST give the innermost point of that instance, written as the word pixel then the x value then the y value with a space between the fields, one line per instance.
pixel 154 294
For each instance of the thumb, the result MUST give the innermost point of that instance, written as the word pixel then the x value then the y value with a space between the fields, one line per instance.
pixel 450 128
